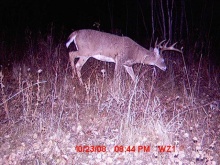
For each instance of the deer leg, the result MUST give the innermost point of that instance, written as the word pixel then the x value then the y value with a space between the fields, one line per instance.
pixel 130 71
pixel 82 60
pixel 72 58
pixel 118 69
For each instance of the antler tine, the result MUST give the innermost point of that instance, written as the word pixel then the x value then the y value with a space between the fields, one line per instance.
pixel 164 47
pixel 159 45
pixel 155 45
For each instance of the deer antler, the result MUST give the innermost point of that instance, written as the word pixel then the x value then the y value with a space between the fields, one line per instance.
pixel 164 47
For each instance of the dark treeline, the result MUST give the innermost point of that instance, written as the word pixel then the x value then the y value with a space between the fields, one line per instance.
pixel 194 24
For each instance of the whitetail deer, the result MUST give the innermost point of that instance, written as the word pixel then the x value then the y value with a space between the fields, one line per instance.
pixel 123 51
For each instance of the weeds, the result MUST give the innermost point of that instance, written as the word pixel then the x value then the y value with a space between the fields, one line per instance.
pixel 52 113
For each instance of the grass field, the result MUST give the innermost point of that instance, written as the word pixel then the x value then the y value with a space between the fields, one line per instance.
pixel 46 117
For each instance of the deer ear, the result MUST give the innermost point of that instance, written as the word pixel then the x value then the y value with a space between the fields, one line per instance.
pixel 156 51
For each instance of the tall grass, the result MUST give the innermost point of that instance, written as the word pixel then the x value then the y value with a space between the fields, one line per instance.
pixel 45 113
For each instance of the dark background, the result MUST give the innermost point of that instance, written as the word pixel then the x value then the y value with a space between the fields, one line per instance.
pixel 132 17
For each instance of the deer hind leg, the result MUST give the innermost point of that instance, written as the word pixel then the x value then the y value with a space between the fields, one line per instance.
pixel 72 58
pixel 82 60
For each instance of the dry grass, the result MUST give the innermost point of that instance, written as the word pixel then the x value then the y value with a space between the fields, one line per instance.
pixel 45 113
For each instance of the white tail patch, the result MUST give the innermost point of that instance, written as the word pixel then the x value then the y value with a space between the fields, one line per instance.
pixel 72 39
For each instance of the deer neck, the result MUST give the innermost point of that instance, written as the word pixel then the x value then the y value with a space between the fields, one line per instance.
pixel 143 55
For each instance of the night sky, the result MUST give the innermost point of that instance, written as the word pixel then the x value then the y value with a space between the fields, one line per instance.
pixel 132 17
pixel 17 15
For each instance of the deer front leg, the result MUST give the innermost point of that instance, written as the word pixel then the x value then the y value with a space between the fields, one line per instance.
pixel 130 71
pixel 118 70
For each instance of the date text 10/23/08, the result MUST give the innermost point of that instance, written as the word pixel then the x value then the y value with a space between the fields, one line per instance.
pixel 121 148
